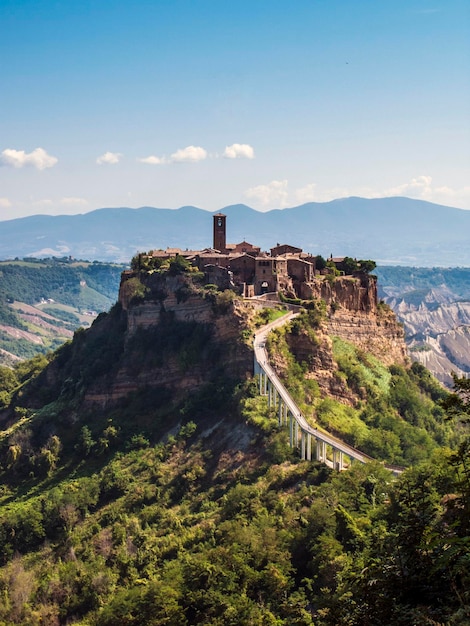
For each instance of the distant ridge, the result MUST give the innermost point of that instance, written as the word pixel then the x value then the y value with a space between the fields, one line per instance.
pixel 395 231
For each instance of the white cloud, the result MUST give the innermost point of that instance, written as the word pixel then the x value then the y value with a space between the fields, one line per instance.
pixel 422 188
pixel 307 193
pixel 43 203
pixel 153 160
pixel 272 195
pixel 190 154
pixel 419 187
pixel 111 158
pixel 72 201
pixel 239 151
pixel 38 158
pixel 453 197
pixel 5 203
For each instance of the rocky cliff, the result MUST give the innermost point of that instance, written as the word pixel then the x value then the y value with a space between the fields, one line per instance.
pixel 214 321
pixel 354 293
pixel 176 335
pixel 434 307
pixel 376 333
pixel 354 315
pixel 351 313
pixel 174 332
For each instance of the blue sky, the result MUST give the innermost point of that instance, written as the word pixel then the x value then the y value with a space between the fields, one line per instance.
pixel 210 103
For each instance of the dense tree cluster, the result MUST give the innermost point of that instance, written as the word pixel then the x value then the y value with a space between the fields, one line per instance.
pixel 167 533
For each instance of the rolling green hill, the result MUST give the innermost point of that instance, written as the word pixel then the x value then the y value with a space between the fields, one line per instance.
pixel 42 302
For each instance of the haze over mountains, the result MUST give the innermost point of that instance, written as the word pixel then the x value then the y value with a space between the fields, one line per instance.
pixel 394 231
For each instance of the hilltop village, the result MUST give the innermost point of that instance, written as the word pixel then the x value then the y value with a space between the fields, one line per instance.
pixel 252 272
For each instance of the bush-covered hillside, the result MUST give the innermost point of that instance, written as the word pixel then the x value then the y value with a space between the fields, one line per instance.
pixel 390 413
pixel 226 529
pixel 189 507
pixel 43 301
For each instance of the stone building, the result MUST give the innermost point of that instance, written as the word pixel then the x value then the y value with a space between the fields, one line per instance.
pixel 245 267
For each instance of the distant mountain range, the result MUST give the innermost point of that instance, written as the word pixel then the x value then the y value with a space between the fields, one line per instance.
pixel 392 231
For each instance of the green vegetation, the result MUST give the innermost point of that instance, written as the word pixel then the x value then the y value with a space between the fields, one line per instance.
pixel 303 388
pixel 65 316
pixel 180 533
pixel 367 265
pixel 267 315
pixel 59 280
pixel 8 316
pixel 389 413
pixel 82 286
pixel 331 266
pixel 350 265
pixel 399 418
pixel 183 504
pixel 145 262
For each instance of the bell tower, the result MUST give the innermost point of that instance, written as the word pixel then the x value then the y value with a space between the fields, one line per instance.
pixel 220 241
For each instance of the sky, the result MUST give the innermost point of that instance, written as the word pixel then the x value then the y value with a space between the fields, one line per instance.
pixel 270 103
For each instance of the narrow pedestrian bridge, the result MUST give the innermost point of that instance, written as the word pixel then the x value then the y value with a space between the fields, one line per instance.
pixel 313 444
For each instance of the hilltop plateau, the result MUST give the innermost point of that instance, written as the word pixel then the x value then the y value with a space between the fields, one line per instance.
pixel 146 481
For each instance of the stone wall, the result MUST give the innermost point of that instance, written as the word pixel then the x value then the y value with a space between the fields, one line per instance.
pixel 354 293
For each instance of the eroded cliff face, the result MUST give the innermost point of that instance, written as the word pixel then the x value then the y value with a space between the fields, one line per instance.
pixel 146 296
pixel 176 336
pixel 354 316
pixel 354 293
pixel 434 306
pixel 377 332
pixel 173 332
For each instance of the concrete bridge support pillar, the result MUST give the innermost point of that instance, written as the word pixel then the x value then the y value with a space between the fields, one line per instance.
pixel 309 447
pixel 321 450
pixel 291 431
pixel 337 459
pixel 303 445
pixel 263 383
